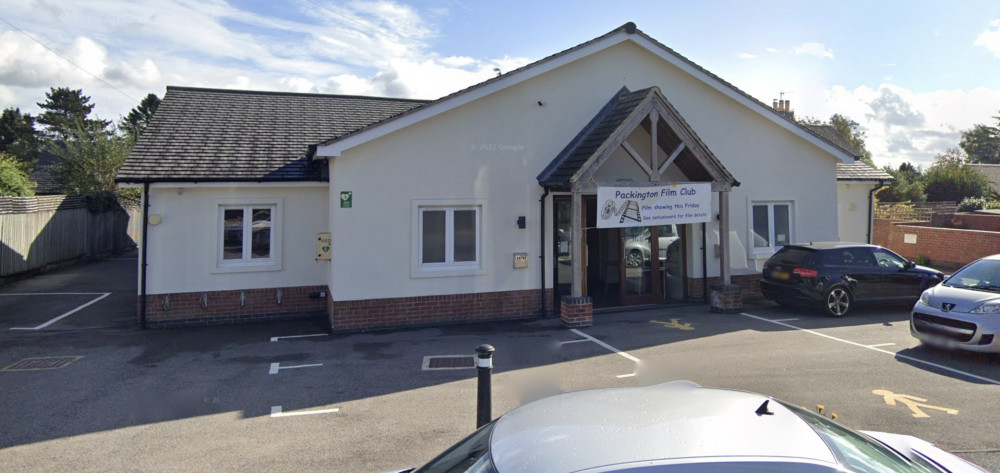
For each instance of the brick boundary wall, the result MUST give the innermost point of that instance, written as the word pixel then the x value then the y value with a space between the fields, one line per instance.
pixel 361 315
pixel 223 307
pixel 946 249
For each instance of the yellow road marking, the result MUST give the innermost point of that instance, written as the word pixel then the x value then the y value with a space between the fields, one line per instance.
pixel 914 403
pixel 674 323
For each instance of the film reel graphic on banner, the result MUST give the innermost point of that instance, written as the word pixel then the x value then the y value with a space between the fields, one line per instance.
pixel 628 210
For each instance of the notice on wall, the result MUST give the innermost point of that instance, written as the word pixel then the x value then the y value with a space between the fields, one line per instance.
pixel 652 206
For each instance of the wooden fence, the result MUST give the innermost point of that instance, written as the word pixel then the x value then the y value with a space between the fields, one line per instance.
pixel 912 211
pixel 38 231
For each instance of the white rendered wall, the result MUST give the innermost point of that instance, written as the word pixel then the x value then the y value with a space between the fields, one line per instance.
pixel 852 210
pixel 493 148
pixel 183 248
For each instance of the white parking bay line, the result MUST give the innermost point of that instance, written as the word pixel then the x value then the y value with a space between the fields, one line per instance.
pixel 276 412
pixel 873 348
pixel 605 345
pixel 67 314
pixel 275 367
pixel 274 339
pixel 881 345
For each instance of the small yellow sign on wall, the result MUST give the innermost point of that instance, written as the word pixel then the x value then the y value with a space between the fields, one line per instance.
pixel 323 243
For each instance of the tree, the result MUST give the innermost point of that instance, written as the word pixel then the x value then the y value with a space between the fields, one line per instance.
pixel 138 119
pixel 18 136
pixel 950 180
pixel 907 185
pixel 66 112
pixel 849 129
pixel 982 143
pixel 89 162
pixel 14 179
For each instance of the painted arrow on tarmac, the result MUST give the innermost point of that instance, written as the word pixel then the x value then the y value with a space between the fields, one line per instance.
pixel 914 403
pixel 674 323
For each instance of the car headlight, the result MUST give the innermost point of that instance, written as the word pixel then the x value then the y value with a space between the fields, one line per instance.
pixel 925 298
pixel 987 308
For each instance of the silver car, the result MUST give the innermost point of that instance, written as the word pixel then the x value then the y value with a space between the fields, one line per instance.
pixel 681 427
pixel 963 311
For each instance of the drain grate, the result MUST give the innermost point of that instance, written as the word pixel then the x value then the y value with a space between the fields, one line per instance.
pixel 449 362
pixel 49 363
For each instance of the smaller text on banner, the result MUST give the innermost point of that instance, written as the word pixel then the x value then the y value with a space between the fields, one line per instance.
pixel 650 206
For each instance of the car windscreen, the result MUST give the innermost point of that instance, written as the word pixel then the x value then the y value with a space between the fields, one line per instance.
pixel 982 275
pixel 470 455
pixel 792 256
pixel 856 451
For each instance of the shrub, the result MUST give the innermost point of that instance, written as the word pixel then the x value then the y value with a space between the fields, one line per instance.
pixel 972 204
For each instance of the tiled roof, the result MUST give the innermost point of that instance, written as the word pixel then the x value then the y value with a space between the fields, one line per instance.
pixel 234 135
pixel 696 161
pixel 860 171
pixel 830 134
pixel 600 128
pixel 45 174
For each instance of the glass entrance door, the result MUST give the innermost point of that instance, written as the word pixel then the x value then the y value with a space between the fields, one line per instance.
pixel 640 268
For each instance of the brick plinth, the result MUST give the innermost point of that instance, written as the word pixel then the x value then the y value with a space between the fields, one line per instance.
pixel 225 307
pixel 576 311
pixel 347 316
pixel 726 298
pixel 749 286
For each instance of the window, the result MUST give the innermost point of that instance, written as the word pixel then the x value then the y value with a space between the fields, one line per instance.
pixel 771 226
pixel 449 239
pixel 249 236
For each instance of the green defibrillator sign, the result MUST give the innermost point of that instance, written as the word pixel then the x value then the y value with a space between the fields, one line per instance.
pixel 346 199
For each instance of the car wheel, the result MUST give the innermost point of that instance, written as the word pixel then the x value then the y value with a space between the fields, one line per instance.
pixel 837 301
pixel 634 259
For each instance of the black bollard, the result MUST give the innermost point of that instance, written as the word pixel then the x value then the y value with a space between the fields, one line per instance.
pixel 484 406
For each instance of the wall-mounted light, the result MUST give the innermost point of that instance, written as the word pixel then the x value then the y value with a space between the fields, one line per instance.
pixel 521 222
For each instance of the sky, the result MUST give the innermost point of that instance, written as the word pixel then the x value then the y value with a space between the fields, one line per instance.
pixel 914 74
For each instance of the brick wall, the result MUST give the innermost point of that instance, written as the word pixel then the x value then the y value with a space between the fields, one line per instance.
pixel 427 310
pixel 946 248
pixel 225 307
pixel 576 312
pixel 749 286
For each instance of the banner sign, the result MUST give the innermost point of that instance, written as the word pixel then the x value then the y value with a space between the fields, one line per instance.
pixel 653 206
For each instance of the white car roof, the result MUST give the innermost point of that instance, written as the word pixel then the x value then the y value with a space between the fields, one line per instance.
pixel 587 429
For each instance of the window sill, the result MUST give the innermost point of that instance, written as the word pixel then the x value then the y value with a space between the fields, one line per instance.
pixel 247 268
pixel 444 272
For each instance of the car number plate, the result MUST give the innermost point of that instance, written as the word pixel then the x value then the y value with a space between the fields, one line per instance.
pixel 780 275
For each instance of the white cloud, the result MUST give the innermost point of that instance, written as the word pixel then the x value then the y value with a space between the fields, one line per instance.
pixel 990 39
pixel 358 47
pixel 814 49
pixel 771 50
pixel 906 126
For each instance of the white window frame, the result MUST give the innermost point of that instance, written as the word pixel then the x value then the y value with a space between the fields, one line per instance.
pixel 248 264
pixel 772 247
pixel 419 269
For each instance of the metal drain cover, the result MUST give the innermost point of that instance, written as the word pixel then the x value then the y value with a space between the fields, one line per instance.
pixel 449 362
pixel 50 363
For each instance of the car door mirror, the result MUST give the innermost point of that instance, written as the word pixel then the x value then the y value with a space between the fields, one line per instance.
pixel 909 265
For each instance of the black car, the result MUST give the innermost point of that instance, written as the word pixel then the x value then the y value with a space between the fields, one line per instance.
pixel 833 276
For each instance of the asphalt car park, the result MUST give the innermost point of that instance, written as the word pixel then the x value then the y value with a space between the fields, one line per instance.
pixel 290 397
